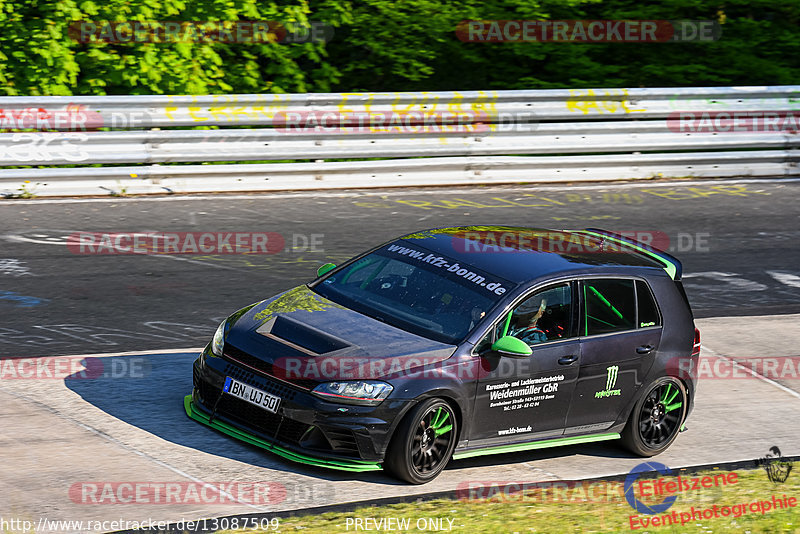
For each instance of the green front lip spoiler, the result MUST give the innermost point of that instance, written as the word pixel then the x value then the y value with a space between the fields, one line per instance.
pixel 343 465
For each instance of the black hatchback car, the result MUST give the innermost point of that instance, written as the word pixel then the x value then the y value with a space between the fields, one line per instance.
pixel 458 342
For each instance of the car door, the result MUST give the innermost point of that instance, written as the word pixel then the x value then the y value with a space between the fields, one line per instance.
pixel 620 330
pixel 521 399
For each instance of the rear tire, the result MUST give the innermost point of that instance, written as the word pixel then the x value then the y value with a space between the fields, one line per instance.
pixel 656 418
pixel 423 442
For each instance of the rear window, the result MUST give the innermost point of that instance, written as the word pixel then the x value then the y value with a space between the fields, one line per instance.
pixel 609 306
pixel 648 310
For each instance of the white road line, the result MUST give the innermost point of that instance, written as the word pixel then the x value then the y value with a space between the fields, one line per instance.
pixel 417 190
pixel 754 373
pixel 203 263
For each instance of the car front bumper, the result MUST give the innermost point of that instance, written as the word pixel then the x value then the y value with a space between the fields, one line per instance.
pixel 345 465
pixel 306 428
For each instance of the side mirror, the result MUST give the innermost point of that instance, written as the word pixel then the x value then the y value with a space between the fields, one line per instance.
pixel 325 268
pixel 511 346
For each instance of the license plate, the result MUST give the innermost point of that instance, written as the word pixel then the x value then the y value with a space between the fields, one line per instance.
pixel 248 393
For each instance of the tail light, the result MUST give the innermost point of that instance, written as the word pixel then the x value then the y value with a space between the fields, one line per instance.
pixel 696 346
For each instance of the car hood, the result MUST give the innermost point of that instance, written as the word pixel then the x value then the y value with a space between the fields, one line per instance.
pixel 310 337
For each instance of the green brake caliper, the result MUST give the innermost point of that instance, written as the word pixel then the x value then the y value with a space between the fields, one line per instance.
pixel 666 401
pixel 438 423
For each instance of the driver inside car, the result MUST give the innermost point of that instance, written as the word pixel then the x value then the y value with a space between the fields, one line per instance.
pixel 528 330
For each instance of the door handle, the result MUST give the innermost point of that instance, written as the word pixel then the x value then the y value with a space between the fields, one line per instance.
pixel 644 349
pixel 566 360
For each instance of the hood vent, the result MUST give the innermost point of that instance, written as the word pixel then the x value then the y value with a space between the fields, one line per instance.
pixel 300 336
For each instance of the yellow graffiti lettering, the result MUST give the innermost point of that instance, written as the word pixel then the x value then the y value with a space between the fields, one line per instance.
pixel 487 103
pixel 738 190
pixel 218 112
pixel 670 194
pixel 509 202
pixel 707 193
pixel 426 103
pixel 616 198
pixel 342 106
pixel 455 104
pixel 193 113
pixel 575 197
pixel 424 204
pixel 610 102
pixel 372 204
pixel 553 201
pixel 473 204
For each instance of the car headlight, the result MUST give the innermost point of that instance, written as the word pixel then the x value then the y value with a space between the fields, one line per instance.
pixel 364 392
pixel 218 342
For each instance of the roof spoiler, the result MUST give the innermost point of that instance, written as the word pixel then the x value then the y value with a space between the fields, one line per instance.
pixel 670 263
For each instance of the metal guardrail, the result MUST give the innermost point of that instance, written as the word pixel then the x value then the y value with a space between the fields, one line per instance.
pixel 453 137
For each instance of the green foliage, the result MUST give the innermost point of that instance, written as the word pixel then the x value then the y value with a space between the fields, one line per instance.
pixel 383 45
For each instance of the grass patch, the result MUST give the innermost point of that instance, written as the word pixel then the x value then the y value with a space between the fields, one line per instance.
pixel 594 506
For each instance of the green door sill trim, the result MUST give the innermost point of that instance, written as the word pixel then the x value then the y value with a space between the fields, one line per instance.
pixel 543 444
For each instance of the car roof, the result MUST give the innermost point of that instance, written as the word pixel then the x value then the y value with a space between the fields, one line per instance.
pixel 522 254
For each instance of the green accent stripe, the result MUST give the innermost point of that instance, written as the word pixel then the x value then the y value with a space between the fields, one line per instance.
pixel 593 318
pixel 670 267
pixel 343 465
pixel 543 444
pixel 606 302
pixel 673 407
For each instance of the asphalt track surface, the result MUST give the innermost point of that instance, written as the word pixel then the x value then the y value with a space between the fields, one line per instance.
pixel 130 426
pixel 738 242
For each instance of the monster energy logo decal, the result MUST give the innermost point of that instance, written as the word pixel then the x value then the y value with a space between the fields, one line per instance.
pixel 611 382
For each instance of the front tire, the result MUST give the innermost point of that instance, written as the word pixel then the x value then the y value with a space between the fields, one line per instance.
pixel 423 443
pixel 656 418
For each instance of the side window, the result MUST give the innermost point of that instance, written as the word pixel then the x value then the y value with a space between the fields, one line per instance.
pixel 543 316
pixel 609 306
pixel 648 311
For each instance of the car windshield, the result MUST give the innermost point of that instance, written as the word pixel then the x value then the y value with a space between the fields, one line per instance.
pixel 417 290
